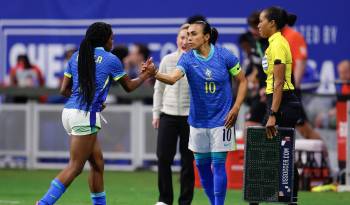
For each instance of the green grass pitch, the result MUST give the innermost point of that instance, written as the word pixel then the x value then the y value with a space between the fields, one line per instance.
pixel 19 187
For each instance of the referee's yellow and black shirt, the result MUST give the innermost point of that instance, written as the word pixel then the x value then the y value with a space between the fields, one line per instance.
pixel 278 52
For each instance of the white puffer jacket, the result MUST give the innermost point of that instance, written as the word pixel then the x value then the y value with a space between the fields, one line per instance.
pixel 171 99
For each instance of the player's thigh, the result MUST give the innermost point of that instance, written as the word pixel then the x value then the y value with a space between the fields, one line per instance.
pixel 81 147
pixel 222 139
pixel 65 121
pixel 199 140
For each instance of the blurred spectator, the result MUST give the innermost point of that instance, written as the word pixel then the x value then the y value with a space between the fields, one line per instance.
pixel 24 74
pixel 121 51
pixel 260 44
pixel 67 55
pixel 327 118
pixel 310 80
pixel 299 53
pixel 60 74
pixel 138 53
pixel 344 77
pixel 298 49
pixel 253 47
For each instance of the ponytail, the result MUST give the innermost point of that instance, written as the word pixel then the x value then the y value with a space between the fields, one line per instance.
pixel 291 19
pixel 86 73
pixel 97 35
pixel 214 34
pixel 207 29
pixel 280 16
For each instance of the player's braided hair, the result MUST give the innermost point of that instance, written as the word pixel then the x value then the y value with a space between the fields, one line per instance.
pixel 96 35
pixel 280 16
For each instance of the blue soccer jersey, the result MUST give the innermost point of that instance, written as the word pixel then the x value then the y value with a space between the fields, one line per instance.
pixel 108 67
pixel 210 85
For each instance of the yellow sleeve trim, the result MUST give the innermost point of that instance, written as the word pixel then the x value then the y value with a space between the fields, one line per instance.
pixel 235 70
pixel 116 78
pixel 106 82
pixel 68 75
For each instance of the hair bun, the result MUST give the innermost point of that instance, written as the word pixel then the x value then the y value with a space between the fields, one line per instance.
pixel 291 19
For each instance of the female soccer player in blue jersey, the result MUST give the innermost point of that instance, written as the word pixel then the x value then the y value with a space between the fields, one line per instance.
pixel 209 70
pixel 86 82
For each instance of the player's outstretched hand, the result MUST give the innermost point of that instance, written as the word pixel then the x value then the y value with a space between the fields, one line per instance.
pixel 271 130
pixel 149 67
pixel 231 117
pixel 143 67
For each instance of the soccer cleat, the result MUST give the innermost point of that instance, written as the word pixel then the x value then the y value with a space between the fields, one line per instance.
pixel 324 188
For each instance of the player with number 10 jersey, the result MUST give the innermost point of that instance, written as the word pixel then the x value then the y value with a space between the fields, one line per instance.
pixel 209 70
pixel 210 85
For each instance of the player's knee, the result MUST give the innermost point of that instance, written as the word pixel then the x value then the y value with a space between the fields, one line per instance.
pixel 76 168
pixel 100 165
pixel 97 165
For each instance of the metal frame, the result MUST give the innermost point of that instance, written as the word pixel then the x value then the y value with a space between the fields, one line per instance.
pixel 137 154
pixel 32 110
pixel 27 151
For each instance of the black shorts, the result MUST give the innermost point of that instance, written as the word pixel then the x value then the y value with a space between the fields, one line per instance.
pixel 289 111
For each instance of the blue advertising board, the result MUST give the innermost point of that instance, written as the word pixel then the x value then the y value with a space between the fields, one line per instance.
pixel 45 29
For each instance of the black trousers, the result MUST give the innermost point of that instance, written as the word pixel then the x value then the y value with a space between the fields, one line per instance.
pixel 287 116
pixel 172 128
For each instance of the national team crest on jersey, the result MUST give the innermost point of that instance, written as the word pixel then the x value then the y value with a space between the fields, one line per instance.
pixel 208 73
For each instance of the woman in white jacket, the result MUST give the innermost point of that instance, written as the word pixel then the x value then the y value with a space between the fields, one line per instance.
pixel 170 111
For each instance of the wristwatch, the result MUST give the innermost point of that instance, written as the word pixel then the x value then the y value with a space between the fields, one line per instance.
pixel 273 113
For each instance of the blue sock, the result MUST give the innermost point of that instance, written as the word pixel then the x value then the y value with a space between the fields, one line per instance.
pixel 220 178
pixel 203 163
pixel 53 194
pixel 98 198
